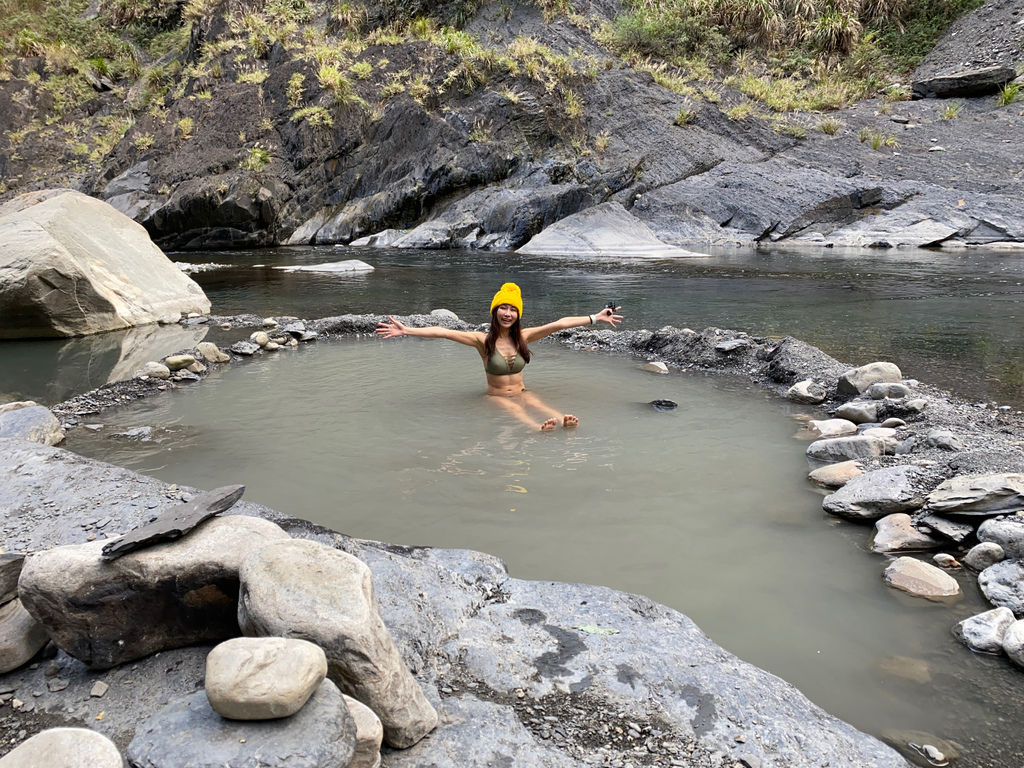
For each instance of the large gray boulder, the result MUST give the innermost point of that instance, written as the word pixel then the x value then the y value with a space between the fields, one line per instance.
pixel 974 82
pixel 1007 532
pixel 608 230
pixel 27 420
pixel 180 593
pixel 1003 584
pixel 857 380
pixel 189 733
pixel 896 533
pixel 983 633
pixel 878 493
pixel 991 494
pixel 305 589
pixel 836 449
pixel 71 265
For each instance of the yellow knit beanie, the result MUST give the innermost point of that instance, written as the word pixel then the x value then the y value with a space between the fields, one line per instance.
pixel 509 294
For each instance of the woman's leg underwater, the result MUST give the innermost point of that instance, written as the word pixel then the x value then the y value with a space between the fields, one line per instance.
pixel 531 400
pixel 517 410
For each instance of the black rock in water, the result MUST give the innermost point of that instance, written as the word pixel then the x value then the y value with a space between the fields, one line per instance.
pixel 663 405
pixel 178 521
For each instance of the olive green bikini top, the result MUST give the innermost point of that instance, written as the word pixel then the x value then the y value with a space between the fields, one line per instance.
pixel 499 365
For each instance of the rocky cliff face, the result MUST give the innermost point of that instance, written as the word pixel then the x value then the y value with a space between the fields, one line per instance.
pixel 339 128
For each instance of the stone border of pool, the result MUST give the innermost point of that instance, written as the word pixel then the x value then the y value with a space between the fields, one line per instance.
pixel 989 442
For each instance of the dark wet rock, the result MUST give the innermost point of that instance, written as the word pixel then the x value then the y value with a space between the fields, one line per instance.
pixel 663 405
pixel 949 529
pixel 984 632
pixel 1003 585
pixel 175 521
pixel 180 593
pixel 500 218
pixel 879 493
pixel 975 82
pixel 188 732
pixel 245 348
pixel 1007 532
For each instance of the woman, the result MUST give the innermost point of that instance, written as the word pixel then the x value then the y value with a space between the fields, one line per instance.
pixel 505 352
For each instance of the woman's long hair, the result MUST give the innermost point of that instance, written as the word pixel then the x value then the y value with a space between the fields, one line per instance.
pixel 515 332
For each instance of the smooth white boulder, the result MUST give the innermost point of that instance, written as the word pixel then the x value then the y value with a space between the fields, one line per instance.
pixel 72 265
pixel 984 632
pixel 261 678
pixel 857 380
pixel 64 748
pixel 920 579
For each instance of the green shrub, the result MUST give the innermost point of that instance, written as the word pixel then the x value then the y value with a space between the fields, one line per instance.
pixel 684 117
pixel 831 126
pixel 1008 94
pixel 361 69
pixel 295 89
pixel 316 116
pixel 256 160
pixel 185 127
pixel 951 111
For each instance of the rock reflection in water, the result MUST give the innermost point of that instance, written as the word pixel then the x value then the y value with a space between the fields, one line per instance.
pixel 55 370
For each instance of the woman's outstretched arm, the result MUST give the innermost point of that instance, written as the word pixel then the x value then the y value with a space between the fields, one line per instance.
pixel 606 315
pixel 391 328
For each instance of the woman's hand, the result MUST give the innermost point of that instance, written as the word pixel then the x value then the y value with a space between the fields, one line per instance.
pixel 390 329
pixel 608 315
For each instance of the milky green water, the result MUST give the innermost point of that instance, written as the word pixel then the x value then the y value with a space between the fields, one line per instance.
pixel 705 508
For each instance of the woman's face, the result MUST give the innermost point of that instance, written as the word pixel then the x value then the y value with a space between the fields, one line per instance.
pixel 506 315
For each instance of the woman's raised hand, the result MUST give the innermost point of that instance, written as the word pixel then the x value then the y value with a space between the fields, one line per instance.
pixel 608 315
pixel 390 329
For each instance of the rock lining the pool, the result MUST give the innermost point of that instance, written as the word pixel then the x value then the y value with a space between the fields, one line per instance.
pixel 483 684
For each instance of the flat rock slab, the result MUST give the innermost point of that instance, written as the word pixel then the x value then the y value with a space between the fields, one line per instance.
pixel 66 748
pixel 983 495
pixel 920 579
pixel 896 533
pixel 176 521
pixel 262 678
pixel 345 267
pixel 878 493
pixel 1003 585
pixel 975 82
pixel 189 733
pixel 949 529
pixel 180 593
